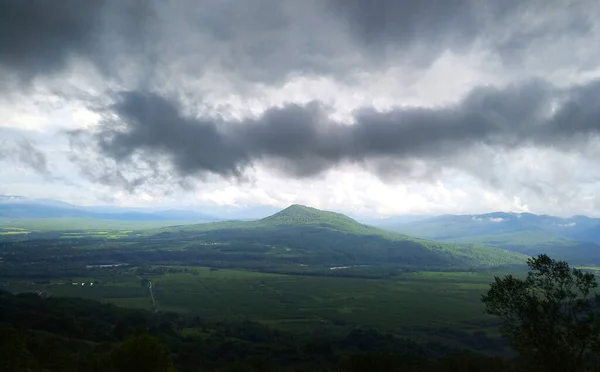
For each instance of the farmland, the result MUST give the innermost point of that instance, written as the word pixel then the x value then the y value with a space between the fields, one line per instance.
pixel 300 270
pixel 415 304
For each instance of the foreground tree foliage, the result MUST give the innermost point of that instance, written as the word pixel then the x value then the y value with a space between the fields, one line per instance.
pixel 140 353
pixel 14 355
pixel 551 317
pixel 73 334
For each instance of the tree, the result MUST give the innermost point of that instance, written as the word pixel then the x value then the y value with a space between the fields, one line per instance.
pixel 14 355
pixel 141 353
pixel 550 317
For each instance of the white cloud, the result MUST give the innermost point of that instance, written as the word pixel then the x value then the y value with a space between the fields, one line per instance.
pixel 569 224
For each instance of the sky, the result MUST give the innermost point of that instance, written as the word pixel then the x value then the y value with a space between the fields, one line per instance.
pixel 370 107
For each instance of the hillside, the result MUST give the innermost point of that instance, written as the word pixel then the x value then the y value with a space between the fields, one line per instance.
pixel 573 239
pixel 294 215
pixel 302 215
pixel 304 235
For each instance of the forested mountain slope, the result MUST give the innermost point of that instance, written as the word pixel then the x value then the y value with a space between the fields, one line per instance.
pixel 575 239
pixel 309 235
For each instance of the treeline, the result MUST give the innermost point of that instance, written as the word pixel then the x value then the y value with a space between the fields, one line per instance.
pixel 241 248
pixel 60 334
pixel 47 258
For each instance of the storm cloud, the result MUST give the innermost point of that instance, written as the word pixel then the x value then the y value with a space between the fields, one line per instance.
pixel 32 157
pixel 37 37
pixel 204 92
pixel 302 141
pixel 268 41
pixel 510 28
pixel 25 154
pixel 41 38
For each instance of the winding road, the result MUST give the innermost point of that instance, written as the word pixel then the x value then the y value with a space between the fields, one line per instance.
pixel 150 285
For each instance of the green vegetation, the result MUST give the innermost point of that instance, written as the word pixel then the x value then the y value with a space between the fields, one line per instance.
pixel 298 268
pixel 408 304
pixel 301 215
pixel 301 290
pixel 81 224
pixel 551 317
pixel 57 334
pixel 12 231
pixel 295 215
pixel 573 240
pixel 308 236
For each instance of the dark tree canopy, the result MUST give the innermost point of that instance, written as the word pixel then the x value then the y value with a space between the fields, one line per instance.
pixel 551 317
pixel 141 353
pixel 14 355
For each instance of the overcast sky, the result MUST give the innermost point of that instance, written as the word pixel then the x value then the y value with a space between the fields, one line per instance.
pixel 371 107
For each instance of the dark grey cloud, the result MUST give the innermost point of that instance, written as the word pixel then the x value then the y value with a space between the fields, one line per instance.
pixel 122 175
pixel 30 156
pixel 23 152
pixel 426 27
pixel 258 41
pixel 300 140
pixel 38 37
pixel 420 30
pixel 271 40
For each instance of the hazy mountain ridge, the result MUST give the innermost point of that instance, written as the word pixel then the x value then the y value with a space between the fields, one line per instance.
pixel 19 207
pixel 575 238
pixel 464 236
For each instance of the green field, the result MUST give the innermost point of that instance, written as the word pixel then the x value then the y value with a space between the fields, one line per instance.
pixel 412 304
pixel 4 230
pixel 75 223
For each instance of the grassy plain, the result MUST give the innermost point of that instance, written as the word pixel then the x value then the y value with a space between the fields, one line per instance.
pixel 76 223
pixel 413 304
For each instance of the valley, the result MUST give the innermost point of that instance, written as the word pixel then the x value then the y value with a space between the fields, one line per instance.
pixel 300 268
pixel 302 271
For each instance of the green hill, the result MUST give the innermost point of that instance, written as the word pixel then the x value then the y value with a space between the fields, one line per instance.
pixel 569 239
pixel 304 235
pixel 302 215
pixel 295 215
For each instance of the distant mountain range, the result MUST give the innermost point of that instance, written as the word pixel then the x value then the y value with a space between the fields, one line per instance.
pixel 19 207
pixel 576 239
pixel 303 234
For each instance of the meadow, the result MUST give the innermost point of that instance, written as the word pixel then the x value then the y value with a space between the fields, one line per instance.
pixel 419 305
pixel 81 224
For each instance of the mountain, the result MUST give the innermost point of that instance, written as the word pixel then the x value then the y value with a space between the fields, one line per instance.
pixel 300 234
pixel 209 212
pixel 19 207
pixel 298 215
pixel 575 239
